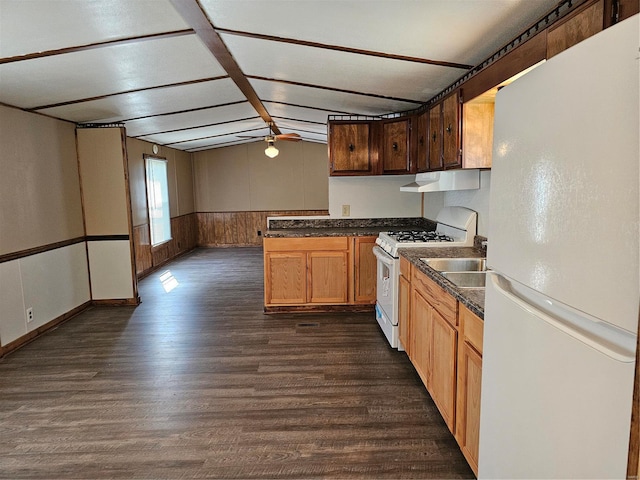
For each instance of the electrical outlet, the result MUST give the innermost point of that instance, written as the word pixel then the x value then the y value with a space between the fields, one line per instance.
pixel 30 314
pixel 346 210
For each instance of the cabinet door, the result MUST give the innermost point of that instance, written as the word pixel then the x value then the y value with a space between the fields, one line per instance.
pixel 420 136
pixel 477 134
pixel 435 137
pixel 404 328
pixel 285 278
pixel 365 274
pixel 327 277
pixel 395 146
pixel 619 10
pixel 419 351
pixel 442 375
pixel 468 407
pixel 349 149
pixel 585 22
pixel 451 131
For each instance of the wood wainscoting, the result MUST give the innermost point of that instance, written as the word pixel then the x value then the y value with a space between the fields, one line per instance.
pixel 226 229
pixel 184 233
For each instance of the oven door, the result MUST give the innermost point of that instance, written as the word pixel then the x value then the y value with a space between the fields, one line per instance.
pixel 387 271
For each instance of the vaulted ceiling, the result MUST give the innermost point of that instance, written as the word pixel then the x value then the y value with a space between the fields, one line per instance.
pixel 200 74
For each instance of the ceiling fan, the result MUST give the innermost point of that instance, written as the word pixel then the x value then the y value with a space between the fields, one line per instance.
pixel 271 151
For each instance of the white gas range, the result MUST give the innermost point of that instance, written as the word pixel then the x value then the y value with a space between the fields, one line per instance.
pixel 456 227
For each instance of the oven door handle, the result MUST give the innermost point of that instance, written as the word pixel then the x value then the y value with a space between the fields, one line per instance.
pixel 383 256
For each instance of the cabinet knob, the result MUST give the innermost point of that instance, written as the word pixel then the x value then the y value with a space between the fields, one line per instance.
pixel 421 141
pixel 352 147
pixel 394 146
pixel 434 137
pixel 449 128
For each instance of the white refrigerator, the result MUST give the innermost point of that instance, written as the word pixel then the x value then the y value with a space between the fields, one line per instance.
pixel 562 297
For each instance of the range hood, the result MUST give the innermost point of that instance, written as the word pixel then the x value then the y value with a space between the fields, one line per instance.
pixel 444 181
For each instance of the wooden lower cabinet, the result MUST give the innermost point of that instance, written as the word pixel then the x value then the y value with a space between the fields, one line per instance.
pixel 469 385
pixel 364 270
pixel 327 277
pixel 404 302
pixel 420 319
pixel 329 271
pixel 286 274
pixel 444 340
pixel 434 346
pixel 443 347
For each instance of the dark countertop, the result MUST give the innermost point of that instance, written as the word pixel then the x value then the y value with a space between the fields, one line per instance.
pixel 325 232
pixel 281 227
pixel 472 298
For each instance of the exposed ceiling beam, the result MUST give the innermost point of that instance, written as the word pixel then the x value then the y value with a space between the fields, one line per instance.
pixel 189 110
pixel 125 92
pixel 194 127
pixel 340 48
pixel 194 15
pixel 92 46
pixel 332 89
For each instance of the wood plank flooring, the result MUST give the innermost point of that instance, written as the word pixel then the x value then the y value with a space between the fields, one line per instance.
pixel 197 382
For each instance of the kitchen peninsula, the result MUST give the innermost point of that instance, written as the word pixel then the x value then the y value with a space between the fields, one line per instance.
pixel 341 252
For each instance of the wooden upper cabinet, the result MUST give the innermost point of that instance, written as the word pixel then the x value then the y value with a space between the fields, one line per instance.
pixel 451 154
pixel 619 10
pixel 435 137
pixel 477 133
pixel 420 140
pixel 349 148
pixel 583 23
pixel 395 146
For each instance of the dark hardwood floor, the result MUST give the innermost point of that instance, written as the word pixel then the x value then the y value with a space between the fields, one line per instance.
pixel 197 382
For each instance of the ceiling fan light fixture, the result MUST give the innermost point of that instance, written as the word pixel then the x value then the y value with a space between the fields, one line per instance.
pixel 271 151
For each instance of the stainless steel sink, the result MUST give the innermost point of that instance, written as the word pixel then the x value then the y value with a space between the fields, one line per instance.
pixel 456 264
pixel 466 279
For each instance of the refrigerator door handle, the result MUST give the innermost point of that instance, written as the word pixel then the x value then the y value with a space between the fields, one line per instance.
pixel 612 341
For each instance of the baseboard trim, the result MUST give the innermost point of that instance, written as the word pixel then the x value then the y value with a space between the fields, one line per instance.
pixel 32 335
pixel 117 302
pixel 319 309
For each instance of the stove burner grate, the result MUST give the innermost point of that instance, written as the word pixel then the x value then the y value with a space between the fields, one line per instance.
pixel 420 236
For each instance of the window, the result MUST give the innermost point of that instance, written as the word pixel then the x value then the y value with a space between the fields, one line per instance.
pixel 158 198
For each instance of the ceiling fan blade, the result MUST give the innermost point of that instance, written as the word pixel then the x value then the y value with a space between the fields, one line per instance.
pixel 289 137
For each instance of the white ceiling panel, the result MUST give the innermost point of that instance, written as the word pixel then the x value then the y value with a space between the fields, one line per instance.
pixel 330 100
pixel 246 127
pixel 340 70
pixel 316 58
pixel 145 103
pixel 447 30
pixel 78 75
pixel 189 120
pixel 29 26
pixel 304 129
pixel 299 113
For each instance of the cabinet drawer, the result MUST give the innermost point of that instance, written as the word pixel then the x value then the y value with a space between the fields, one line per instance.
pixel 305 243
pixel 436 296
pixel 472 328
pixel 405 268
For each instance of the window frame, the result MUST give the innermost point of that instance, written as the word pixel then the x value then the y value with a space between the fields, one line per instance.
pixel 152 206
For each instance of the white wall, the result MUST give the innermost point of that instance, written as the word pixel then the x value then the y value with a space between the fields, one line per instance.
pixel 477 200
pixel 373 197
pixel 52 283
pixel 243 178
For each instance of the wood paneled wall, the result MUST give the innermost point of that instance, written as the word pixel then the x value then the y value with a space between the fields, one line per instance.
pixel 185 236
pixel 217 229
